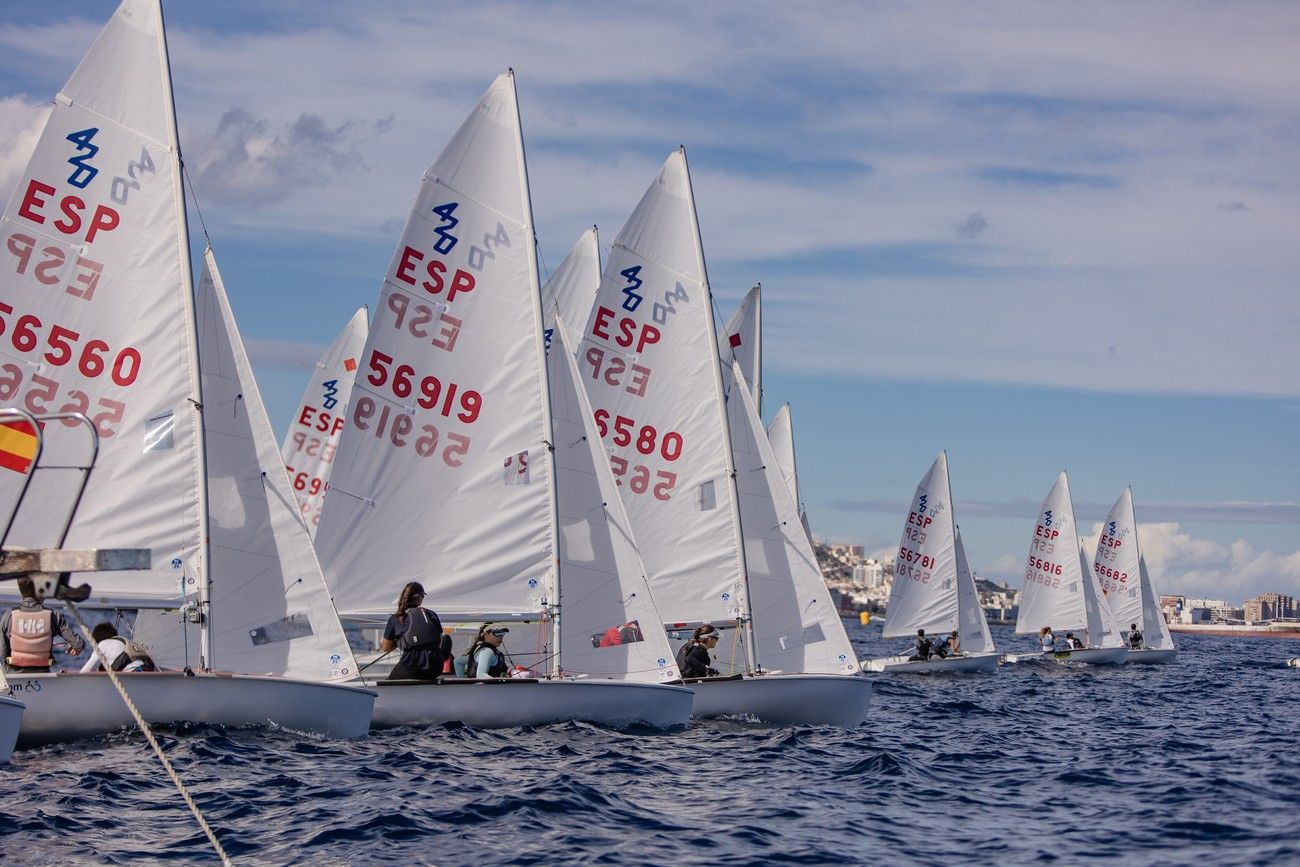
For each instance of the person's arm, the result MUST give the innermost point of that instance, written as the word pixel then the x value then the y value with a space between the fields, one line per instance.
pixel 389 642
pixel 75 643
pixel 483 661
pixel 92 664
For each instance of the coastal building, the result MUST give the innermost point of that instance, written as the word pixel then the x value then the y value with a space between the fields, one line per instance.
pixel 1268 606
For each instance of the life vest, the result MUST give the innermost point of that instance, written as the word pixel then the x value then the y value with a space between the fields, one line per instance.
pixel 423 630
pixel 1049 642
pixel 496 669
pixel 133 653
pixel 31 638
pixel 1135 639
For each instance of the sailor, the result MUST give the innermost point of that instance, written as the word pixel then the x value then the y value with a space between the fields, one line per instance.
pixel 120 653
pixel 485 658
pixel 418 632
pixel 1134 636
pixel 1047 639
pixel 693 659
pixel 27 632
pixel 1073 643
pixel 924 648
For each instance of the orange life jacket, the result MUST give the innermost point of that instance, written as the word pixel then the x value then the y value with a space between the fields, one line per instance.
pixel 31 638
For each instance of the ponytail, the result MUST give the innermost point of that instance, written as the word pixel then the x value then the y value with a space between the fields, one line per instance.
pixel 411 592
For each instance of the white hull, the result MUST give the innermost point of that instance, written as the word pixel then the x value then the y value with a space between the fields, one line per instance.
pixel 933 665
pixel 786 699
pixel 66 706
pixel 1151 656
pixel 11 719
pixel 510 702
pixel 1088 655
pixel 1294 663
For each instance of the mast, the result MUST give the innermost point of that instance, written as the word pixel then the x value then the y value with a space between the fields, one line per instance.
pixel 187 278
pixel 721 403
pixel 952 518
pixel 758 353
pixel 555 591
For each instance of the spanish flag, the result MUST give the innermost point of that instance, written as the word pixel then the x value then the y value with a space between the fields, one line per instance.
pixel 17 446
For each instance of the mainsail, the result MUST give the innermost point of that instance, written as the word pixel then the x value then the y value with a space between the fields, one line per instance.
pixel 1154 628
pixel 1054 594
pixel 924 592
pixel 313 437
pixel 269 609
pixel 443 472
pixel 649 360
pixel 96 301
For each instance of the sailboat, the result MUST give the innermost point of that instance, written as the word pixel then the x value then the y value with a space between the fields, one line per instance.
pixel 570 291
pixel 710 511
pixel 780 433
pixel 741 342
pixel 470 463
pixel 313 436
pixel 98 292
pixel 11 720
pixel 1122 571
pixel 1061 591
pixel 933 587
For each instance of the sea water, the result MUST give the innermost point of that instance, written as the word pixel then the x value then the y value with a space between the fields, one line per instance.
pixel 1165 764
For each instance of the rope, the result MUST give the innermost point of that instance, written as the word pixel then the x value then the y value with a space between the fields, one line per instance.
pixel 148 734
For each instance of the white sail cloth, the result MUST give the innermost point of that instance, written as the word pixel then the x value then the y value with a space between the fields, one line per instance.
pixel 443 472
pixel 312 439
pixel 780 433
pixel 924 592
pixel 974 629
pixel 610 627
pixel 1121 570
pixel 662 413
pixel 571 289
pixel 270 611
pixel 797 628
pixel 1060 590
pixel 97 311
pixel 741 341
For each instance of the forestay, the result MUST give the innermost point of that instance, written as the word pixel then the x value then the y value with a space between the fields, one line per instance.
pixel 571 289
pixel 741 341
pixel 924 592
pixel 442 472
pixel 270 610
pixel 610 626
pixel 1053 594
pixel 662 413
pixel 95 303
pixel 974 629
pixel 797 628
pixel 313 437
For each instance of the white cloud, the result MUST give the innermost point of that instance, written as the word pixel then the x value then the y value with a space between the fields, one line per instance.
pixel 1181 563
pixel 21 123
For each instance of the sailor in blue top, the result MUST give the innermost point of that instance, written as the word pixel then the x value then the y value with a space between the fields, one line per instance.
pixel 418 632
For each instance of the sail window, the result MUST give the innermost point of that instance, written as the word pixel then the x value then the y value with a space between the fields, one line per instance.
pixel 516 469
pixel 708 498
pixel 614 636
pixel 158 432
pixel 284 629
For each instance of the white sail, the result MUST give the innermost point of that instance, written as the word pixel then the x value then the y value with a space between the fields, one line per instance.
pixel 741 340
pixel 780 433
pixel 270 611
pixel 797 628
pixel 572 288
pixel 610 626
pixel 1116 563
pixel 1155 630
pixel 96 310
pixel 443 472
pixel 924 592
pixel 1103 630
pixel 313 437
pixel 974 629
pixel 1054 593
pixel 662 415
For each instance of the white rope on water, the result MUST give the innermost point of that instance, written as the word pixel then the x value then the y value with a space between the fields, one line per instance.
pixel 148 734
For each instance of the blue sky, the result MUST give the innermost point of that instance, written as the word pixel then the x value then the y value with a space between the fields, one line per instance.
pixel 1042 236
